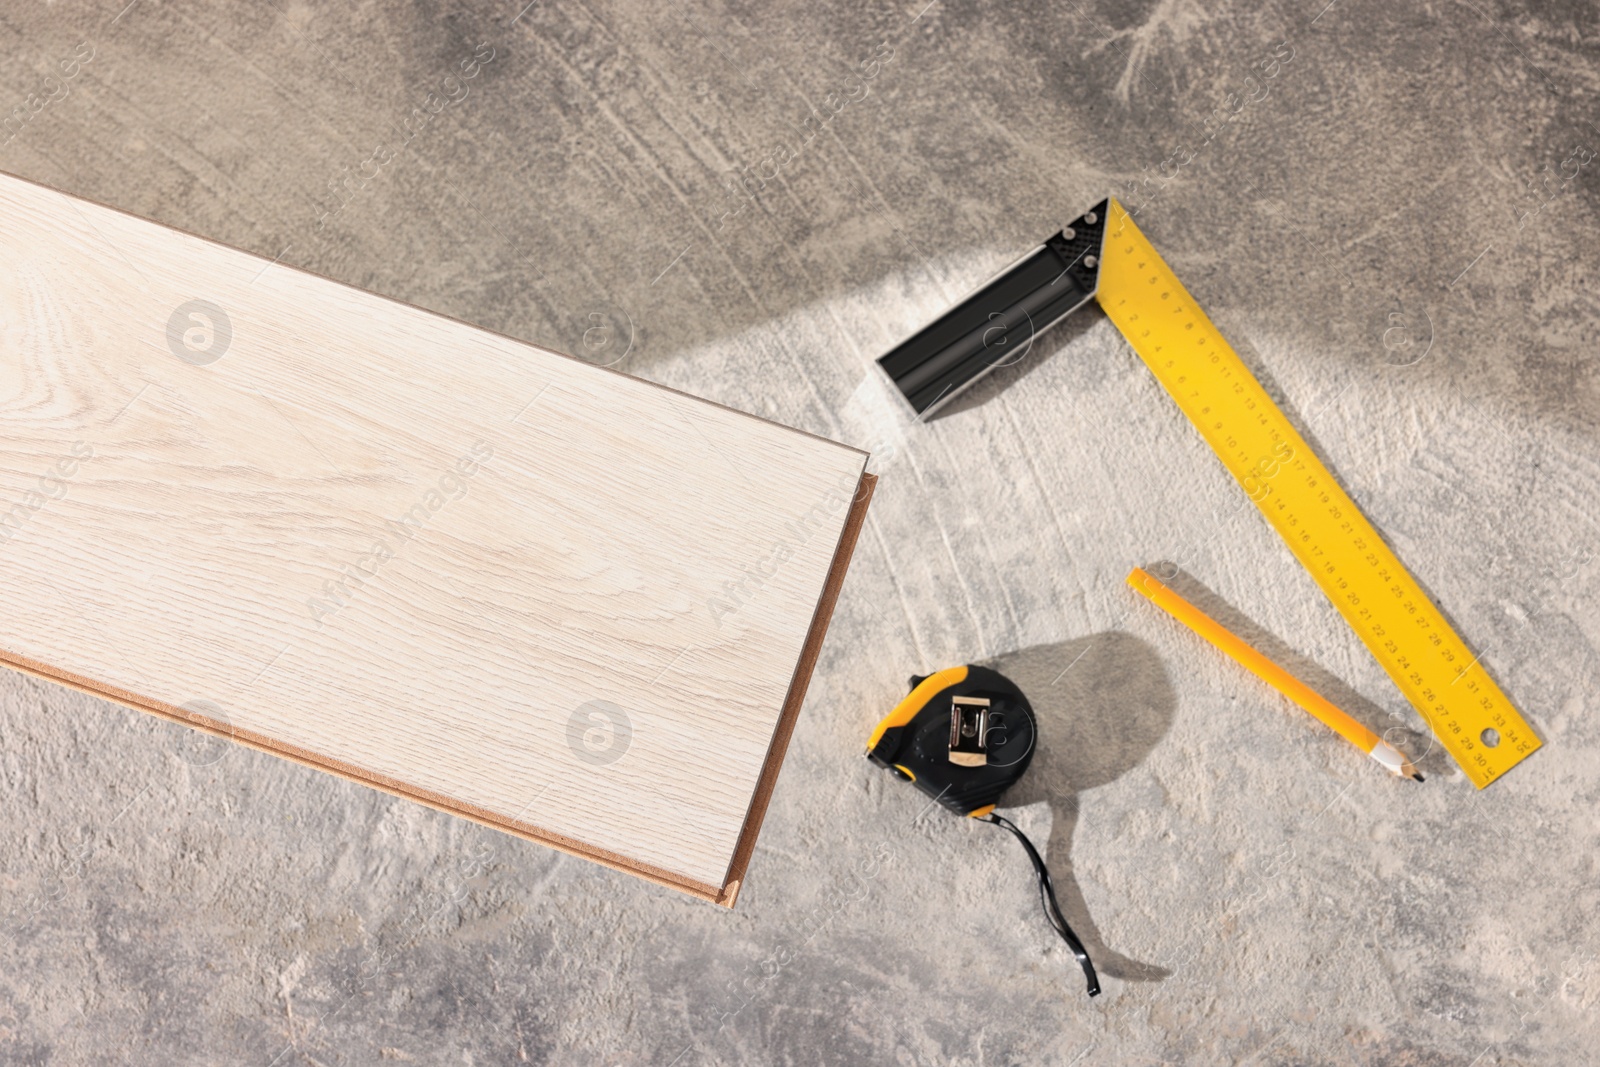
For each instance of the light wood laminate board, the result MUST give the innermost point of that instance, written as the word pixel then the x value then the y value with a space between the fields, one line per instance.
pixel 537 593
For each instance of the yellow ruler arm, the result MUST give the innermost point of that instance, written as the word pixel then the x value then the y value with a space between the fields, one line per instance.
pixel 1319 522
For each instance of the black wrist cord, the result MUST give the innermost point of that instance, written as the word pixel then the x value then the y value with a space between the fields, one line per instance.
pixel 1047 897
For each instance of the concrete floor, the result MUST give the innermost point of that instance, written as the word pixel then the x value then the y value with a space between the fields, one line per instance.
pixel 1255 890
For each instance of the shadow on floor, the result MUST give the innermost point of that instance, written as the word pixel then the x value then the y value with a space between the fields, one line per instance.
pixel 1103 702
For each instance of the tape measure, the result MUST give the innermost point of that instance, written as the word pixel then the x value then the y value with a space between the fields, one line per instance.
pixel 1319 522
pixel 963 736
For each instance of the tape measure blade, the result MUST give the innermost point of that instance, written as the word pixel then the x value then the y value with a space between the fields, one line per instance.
pixel 1300 498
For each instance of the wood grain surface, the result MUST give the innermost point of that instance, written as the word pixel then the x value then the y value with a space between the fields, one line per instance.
pixel 510 584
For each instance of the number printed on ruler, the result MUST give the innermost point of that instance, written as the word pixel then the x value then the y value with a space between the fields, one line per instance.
pixel 1322 526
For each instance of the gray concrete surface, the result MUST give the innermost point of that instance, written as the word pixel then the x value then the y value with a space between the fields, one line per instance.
pixel 1360 224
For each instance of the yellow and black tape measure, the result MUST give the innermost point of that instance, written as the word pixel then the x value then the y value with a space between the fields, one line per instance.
pixel 964 735
pixel 1303 501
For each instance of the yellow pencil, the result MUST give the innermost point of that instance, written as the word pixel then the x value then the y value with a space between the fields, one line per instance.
pixel 1246 656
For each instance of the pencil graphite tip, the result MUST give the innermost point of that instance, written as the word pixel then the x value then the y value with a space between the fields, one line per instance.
pixel 1418 776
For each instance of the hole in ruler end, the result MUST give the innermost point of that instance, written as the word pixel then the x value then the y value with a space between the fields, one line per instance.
pixel 1490 737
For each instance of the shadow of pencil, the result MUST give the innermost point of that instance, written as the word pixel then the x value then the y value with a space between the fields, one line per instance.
pixel 1103 703
pixel 1428 756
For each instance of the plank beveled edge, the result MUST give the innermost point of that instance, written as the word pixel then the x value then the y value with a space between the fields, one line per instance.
pixel 744 849
pixel 383 783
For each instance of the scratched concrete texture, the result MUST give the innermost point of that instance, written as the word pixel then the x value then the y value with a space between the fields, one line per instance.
pixel 1390 210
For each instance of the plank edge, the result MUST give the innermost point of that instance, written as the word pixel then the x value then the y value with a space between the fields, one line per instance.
pixel 744 848
pixel 371 779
